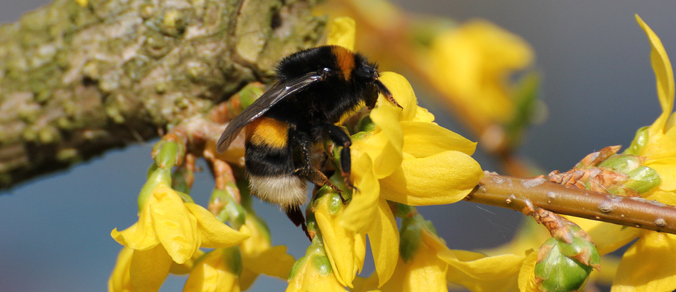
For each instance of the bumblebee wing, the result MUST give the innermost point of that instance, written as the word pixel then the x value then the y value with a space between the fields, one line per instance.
pixel 272 96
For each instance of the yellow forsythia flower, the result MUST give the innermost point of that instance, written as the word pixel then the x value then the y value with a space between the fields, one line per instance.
pixel 472 64
pixel 648 265
pixel 259 256
pixel 216 271
pixel 313 272
pixel 407 159
pixel 169 231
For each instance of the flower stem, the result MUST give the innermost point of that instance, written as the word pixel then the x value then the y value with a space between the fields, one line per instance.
pixel 526 194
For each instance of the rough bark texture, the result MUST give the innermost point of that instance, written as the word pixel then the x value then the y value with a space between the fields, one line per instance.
pixel 76 80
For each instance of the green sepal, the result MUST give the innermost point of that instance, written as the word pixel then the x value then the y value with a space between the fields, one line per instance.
pixel 316 254
pixel 168 154
pixel 643 179
pixel 409 236
pixel 179 180
pixel 156 177
pixel 232 212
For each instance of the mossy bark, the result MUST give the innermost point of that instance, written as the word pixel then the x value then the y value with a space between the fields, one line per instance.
pixel 78 78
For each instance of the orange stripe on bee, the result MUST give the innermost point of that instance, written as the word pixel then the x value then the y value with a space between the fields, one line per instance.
pixel 267 131
pixel 345 60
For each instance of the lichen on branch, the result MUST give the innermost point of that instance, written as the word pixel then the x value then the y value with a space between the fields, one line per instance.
pixel 80 77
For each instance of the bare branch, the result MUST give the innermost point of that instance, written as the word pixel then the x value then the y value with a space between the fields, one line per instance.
pixel 524 194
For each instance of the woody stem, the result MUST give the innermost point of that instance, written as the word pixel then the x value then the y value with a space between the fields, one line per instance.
pixel 524 195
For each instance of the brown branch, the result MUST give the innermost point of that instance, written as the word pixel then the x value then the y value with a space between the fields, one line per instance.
pixel 76 81
pixel 524 194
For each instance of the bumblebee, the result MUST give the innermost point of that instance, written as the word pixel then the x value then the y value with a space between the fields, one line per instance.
pixel 316 88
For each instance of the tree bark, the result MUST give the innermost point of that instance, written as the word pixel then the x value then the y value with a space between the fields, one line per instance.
pixel 78 78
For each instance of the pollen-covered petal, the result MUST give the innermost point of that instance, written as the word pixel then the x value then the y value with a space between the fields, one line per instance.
pixel 342 32
pixel 648 265
pixel 175 228
pixel 606 236
pixel 402 92
pixel 666 168
pixel 664 75
pixel 149 268
pixel 213 233
pixel 384 239
pixel 443 178
pixel 424 139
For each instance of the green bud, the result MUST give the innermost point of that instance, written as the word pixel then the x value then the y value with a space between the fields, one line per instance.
pixel 566 267
pixel 643 179
pixel 623 163
pixel 639 142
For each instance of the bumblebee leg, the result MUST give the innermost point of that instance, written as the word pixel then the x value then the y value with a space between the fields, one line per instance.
pixel 341 138
pixel 307 170
pixel 296 215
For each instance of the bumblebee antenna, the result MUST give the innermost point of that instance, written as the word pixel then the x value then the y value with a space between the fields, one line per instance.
pixel 386 92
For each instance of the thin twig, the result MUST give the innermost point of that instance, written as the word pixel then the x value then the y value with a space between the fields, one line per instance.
pixel 523 194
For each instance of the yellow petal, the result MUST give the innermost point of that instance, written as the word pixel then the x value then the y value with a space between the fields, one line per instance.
pixel 424 139
pixel 527 273
pixel 648 265
pixel 215 272
pixel 478 272
pixel 175 228
pixel 214 233
pixel 661 145
pixel 310 279
pixel 359 214
pixel 384 239
pixel 664 75
pixel 425 272
pixel 443 178
pixel 471 64
pixel 149 268
pixel 607 237
pixel 273 262
pixel 388 157
pixel 402 92
pixel 119 280
pixel 342 32
pixel 666 168
pixel 139 236
pixel 339 244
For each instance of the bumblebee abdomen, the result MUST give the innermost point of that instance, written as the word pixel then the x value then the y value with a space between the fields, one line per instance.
pixel 267 148
pixel 287 191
